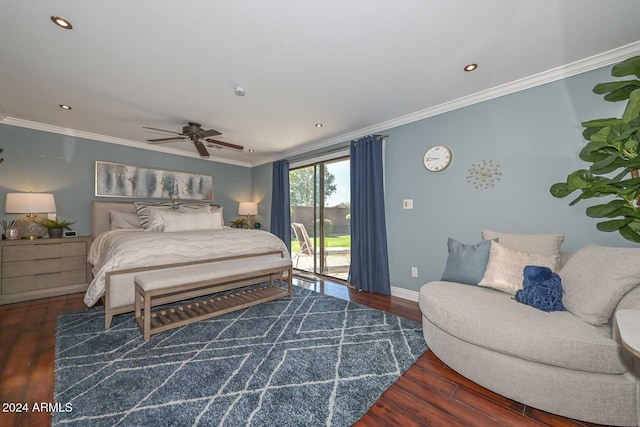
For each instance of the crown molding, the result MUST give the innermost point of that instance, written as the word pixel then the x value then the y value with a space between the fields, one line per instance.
pixel 582 66
pixel 112 140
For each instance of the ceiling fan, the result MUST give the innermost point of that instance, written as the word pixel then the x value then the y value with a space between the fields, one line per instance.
pixel 195 133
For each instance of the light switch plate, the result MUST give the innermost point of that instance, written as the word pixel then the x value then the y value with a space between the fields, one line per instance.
pixel 407 204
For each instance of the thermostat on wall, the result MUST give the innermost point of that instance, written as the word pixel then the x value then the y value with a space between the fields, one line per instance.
pixel 70 233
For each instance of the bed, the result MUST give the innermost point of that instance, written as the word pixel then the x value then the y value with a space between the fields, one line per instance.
pixel 118 255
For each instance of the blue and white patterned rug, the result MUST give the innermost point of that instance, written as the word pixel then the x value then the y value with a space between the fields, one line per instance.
pixel 309 360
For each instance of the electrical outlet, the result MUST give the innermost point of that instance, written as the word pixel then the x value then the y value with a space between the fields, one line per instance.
pixel 407 204
pixel 414 271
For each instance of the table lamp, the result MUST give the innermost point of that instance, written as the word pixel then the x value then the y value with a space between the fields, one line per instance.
pixel 30 204
pixel 248 209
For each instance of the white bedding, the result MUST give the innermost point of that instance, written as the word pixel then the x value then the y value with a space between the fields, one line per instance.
pixel 123 249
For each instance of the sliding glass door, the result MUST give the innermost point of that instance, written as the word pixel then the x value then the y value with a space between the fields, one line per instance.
pixel 320 217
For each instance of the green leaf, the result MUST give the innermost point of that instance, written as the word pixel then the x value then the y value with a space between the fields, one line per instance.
pixel 613 224
pixel 629 234
pixel 560 190
pixel 593 146
pixel 599 123
pixel 603 88
pixel 620 132
pixel 632 110
pixel 616 164
pixel 601 165
pixel 603 211
pixel 602 135
pixel 628 67
pixel 581 178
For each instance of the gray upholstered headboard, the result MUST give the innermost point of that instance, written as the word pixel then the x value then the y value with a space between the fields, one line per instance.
pixel 100 220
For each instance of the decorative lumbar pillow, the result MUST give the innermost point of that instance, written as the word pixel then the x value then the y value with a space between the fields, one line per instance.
pixel 596 277
pixel 466 263
pixel 180 221
pixel 142 209
pixel 124 220
pixel 541 289
pixel 536 243
pixel 506 266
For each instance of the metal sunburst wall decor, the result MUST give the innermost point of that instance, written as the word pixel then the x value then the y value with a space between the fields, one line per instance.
pixel 484 174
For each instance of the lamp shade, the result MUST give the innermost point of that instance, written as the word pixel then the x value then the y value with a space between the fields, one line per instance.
pixel 248 208
pixel 28 203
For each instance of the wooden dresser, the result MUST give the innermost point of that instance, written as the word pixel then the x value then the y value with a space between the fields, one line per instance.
pixel 32 269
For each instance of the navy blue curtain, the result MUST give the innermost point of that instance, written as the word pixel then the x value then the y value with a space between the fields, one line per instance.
pixel 280 213
pixel 369 269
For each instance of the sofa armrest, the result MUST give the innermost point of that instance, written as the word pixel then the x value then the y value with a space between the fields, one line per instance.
pixel 630 301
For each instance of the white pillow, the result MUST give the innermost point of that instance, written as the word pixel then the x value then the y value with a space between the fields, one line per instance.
pixel 179 221
pixel 537 243
pixel 154 220
pixel 505 269
pixel 124 221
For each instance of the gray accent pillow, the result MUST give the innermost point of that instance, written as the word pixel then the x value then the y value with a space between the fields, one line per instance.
pixel 548 244
pixel 596 278
pixel 124 220
pixel 466 263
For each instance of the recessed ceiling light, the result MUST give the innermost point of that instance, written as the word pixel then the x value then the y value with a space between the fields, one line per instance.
pixel 239 91
pixel 251 150
pixel 319 125
pixel 470 67
pixel 65 107
pixel 61 22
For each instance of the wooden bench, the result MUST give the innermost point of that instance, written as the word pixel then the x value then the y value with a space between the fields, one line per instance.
pixel 196 280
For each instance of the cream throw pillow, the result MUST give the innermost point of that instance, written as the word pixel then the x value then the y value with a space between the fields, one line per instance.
pixel 537 243
pixel 178 221
pixel 505 269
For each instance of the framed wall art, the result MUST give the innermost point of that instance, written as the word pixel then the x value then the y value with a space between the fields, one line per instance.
pixel 119 180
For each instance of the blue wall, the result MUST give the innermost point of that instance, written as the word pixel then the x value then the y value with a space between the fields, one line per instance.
pixel 63 165
pixel 535 137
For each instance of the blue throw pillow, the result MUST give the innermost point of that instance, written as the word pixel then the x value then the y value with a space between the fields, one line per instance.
pixel 466 263
pixel 542 289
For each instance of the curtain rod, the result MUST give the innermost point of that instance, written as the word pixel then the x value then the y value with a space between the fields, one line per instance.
pixel 322 153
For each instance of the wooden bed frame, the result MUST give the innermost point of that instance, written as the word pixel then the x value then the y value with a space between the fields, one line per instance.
pixel 117 282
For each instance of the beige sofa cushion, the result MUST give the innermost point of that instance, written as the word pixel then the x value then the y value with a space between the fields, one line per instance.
pixel 596 278
pixel 493 320
pixel 505 269
pixel 548 244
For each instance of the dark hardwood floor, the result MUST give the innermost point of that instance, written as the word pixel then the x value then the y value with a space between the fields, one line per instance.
pixel 429 393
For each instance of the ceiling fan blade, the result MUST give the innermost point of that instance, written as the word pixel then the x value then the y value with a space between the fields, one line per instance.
pixel 162 130
pixel 201 149
pixel 208 133
pixel 165 139
pixel 225 144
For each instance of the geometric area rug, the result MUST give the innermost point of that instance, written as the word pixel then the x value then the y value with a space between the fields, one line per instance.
pixel 312 360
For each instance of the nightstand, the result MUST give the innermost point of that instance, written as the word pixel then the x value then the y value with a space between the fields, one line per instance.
pixel 629 326
pixel 41 268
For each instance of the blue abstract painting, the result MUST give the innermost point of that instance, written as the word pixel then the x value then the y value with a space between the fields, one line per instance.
pixel 118 180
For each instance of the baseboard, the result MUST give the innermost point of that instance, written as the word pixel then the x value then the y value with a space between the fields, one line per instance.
pixel 404 293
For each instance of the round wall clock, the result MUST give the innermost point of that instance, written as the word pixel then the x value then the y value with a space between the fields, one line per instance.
pixel 437 158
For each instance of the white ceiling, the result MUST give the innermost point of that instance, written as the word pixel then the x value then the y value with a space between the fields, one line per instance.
pixel 356 66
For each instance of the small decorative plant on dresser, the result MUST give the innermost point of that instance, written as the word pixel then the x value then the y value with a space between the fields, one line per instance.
pixel 56 227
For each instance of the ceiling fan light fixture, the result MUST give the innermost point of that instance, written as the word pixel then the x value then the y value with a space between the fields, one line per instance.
pixel 65 107
pixel 61 22
pixel 470 67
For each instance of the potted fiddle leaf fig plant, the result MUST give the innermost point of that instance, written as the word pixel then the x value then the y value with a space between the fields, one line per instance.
pixel 613 150
pixel 56 227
